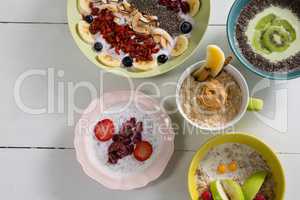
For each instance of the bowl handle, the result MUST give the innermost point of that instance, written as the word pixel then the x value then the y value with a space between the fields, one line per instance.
pixel 255 104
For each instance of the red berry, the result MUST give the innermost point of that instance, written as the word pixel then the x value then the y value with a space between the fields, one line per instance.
pixel 143 151
pixel 260 197
pixel 206 196
pixel 104 130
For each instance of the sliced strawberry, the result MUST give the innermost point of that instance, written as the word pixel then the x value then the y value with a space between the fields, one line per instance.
pixel 104 130
pixel 143 151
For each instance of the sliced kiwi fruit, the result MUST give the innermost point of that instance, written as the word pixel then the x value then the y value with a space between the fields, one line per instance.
pixel 276 39
pixel 265 22
pixel 258 44
pixel 287 26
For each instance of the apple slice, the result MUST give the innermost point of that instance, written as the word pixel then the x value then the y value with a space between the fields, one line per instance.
pixel 253 184
pixel 233 189
pixel 217 191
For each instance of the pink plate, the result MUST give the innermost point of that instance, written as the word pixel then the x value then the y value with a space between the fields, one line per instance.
pixel 165 146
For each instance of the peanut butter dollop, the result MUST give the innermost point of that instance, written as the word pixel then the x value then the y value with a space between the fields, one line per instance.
pixel 212 95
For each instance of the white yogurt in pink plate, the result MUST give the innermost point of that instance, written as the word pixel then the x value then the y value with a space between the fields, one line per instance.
pixel 128 172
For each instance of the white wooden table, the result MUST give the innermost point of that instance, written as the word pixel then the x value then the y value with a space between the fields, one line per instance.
pixel 36 151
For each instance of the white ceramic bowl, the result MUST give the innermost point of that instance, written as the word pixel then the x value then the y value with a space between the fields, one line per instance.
pixel 239 78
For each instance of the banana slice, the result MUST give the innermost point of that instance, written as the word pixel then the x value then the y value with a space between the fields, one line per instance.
pixel 84 32
pixel 108 60
pixel 194 7
pixel 84 7
pixel 111 7
pixel 139 26
pixel 145 65
pixel 202 73
pixel 164 34
pixel 181 46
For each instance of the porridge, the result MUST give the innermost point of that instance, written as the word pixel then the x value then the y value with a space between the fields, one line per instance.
pixel 213 102
pixel 238 171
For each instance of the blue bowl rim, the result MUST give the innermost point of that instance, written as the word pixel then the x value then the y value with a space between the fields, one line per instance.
pixel 249 66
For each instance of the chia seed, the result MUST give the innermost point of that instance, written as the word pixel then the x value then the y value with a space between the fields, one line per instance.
pixel 253 8
pixel 169 20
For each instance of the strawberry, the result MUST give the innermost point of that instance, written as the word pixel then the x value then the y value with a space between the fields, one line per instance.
pixel 260 197
pixel 143 151
pixel 206 196
pixel 104 130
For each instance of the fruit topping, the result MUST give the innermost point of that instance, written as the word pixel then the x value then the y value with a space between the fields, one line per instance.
pixel 98 46
pixel 84 33
pixel 128 142
pixel 217 191
pixel 89 19
pixel 140 47
pixel 104 130
pixel 181 46
pixel 162 37
pixel 163 58
pixel 215 61
pixel 253 184
pixel 276 39
pixel 273 34
pixel 232 189
pixel 260 197
pixel 127 61
pixel 265 22
pixel 143 151
pixel 194 6
pixel 233 166
pixel 186 27
pixel 178 5
pixel 255 104
pixel 108 60
pixel 222 169
pixel 145 65
pixel 84 7
pixel 206 195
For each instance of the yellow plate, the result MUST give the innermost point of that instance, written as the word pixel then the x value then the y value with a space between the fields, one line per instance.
pixel 267 153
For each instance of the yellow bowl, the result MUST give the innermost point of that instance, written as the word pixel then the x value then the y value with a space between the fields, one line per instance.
pixel 267 153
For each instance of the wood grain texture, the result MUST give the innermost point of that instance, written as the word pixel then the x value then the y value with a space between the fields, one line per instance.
pixel 35 37
pixel 44 47
pixel 54 11
pixel 55 174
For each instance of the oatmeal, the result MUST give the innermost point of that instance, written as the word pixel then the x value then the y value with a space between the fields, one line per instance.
pixel 211 103
pixel 248 161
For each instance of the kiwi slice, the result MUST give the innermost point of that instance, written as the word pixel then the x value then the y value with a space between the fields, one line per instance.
pixel 276 39
pixel 258 44
pixel 265 22
pixel 287 26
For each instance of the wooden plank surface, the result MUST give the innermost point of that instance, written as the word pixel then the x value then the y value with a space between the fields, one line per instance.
pixel 39 46
pixel 55 174
pixel 35 37
pixel 54 11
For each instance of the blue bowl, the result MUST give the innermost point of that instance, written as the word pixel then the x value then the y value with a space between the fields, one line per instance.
pixel 231 26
